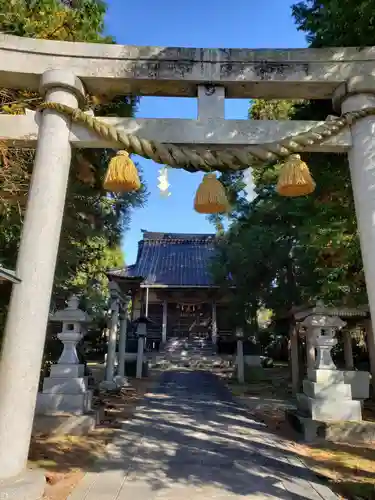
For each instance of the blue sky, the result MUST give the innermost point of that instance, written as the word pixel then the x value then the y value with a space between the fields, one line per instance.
pixel 234 24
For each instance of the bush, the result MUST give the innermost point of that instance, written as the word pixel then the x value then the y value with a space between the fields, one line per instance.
pixel 267 362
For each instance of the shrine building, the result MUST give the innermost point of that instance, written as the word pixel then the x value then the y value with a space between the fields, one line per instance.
pixel 171 283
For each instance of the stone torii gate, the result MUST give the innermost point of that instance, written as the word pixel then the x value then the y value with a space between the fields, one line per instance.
pixel 64 71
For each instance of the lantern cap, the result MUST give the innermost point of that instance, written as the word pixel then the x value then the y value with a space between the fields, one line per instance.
pixel 143 320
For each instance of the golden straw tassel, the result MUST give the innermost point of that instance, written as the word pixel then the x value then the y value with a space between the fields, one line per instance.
pixel 295 178
pixel 122 175
pixel 210 197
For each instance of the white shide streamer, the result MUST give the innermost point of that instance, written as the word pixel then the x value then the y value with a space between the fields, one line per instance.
pixel 163 183
pixel 249 185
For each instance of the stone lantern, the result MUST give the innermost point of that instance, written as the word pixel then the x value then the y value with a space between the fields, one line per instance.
pixel 74 328
pixel 326 397
pixel 66 389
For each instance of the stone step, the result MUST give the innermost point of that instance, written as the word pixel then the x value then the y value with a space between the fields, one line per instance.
pixel 328 410
pixel 76 404
pixel 334 392
pixel 65 370
pixel 58 385
pixel 325 376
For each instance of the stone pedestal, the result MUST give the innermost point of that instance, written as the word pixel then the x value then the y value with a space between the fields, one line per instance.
pixel 66 389
pixel 69 394
pixel 327 397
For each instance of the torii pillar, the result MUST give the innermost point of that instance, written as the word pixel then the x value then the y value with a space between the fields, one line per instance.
pixel 25 330
pixel 356 94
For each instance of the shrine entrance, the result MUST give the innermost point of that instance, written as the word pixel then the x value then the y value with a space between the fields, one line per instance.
pixel 192 321
pixel 64 73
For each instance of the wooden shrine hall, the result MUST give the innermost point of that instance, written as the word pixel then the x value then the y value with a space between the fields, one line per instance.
pixel 171 283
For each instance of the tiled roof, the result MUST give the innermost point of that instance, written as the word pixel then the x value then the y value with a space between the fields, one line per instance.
pixel 172 259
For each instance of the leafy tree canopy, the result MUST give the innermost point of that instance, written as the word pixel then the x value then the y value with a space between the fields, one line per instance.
pixel 282 252
pixel 93 220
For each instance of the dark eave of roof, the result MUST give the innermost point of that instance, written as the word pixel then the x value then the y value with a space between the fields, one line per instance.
pixel 175 260
pixel 8 275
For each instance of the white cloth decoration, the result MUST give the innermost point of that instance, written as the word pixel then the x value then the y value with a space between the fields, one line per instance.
pixel 249 185
pixel 163 184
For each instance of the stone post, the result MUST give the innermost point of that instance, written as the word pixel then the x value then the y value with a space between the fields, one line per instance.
pixel 136 306
pixel 240 357
pixel 214 323
pixel 121 378
pixel 141 333
pixel 108 382
pixel 356 94
pixel 211 103
pixel 140 352
pixel 147 295
pixel 293 335
pixel 371 352
pixel 25 330
pixel 165 322
pixel 348 350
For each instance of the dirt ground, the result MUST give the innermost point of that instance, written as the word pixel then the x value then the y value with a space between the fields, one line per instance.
pixel 349 469
pixel 65 459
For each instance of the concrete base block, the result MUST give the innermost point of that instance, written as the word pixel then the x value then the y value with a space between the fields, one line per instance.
pixel 77 404
pixel 28 486
pixel 326 410
pixel 252 360
pixel 69 371
pixel 347 432
pixel 64 385
pixel 304 425
pixel 327 391
pixel 66 423
pixel 360 383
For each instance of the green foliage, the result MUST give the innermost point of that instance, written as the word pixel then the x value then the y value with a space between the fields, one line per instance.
pixel 283 252
pixel 274 109
pixel 51 20
pixel 335 23
pixel 93 220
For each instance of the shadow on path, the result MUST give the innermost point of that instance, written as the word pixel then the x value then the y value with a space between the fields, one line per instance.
pixel 191 439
